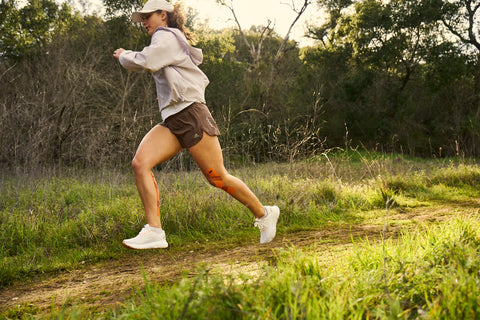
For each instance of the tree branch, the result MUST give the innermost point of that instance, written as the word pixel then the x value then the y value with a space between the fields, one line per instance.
pixel 255 52
pixel 281 49
pixel 470 39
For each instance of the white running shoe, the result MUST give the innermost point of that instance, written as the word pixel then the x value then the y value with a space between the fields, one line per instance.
pixel 268 224
pixel 147 239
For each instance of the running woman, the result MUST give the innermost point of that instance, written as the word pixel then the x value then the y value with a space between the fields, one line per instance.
pixel 187 122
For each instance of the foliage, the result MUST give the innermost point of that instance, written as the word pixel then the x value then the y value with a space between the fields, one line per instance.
pixel 121 7
pixel 62 99
pixel 382 54
pixel 387 75
pixel 28 30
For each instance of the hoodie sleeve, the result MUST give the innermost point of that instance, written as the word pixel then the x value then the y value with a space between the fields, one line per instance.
pixel 164 50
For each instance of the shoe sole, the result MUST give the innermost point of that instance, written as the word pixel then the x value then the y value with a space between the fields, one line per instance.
pixel 150 246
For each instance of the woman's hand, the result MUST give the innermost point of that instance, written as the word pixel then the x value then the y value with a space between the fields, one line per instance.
pixel 117 53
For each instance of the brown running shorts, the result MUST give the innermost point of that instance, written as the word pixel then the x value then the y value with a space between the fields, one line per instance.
pixel 189 124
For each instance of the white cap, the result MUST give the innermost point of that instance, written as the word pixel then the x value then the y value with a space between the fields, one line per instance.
pixel 152 6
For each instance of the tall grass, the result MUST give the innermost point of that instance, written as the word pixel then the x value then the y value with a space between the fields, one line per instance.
pixel 56 223
pixel 432 274
pixel 58 220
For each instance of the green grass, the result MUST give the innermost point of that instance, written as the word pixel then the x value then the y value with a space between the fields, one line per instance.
pixel 61 220
pixel 431 273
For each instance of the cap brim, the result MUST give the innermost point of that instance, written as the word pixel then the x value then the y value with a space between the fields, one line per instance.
pixel 137 16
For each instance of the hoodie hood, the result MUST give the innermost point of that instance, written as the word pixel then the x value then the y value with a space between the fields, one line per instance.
pixel 195 54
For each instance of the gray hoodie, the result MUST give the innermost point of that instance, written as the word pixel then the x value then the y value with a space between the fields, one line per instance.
pixel 173 63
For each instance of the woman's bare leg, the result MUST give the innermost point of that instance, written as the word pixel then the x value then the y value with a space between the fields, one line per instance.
pixel 208 156
pixel 158 145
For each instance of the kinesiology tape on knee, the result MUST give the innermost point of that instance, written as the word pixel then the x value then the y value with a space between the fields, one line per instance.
pixel 218 182
pixel 158 195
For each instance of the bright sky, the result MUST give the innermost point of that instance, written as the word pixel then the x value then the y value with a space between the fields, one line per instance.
pixel 257 12
pixel 249 12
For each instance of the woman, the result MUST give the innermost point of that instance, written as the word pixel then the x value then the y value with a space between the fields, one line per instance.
pixel 187 122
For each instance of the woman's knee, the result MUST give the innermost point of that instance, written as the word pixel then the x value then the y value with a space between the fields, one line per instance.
pixel 139 166
pixel 221 180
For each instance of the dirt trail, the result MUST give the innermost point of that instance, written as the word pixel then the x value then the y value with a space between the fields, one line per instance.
pixel 107 284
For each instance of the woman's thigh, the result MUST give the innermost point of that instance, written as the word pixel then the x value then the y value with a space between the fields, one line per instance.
pixel 208 154
pixel 158 145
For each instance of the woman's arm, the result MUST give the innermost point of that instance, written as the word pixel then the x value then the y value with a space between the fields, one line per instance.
pixel 163 51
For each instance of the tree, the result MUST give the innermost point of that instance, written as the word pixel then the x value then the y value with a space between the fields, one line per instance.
pixel 329 32
pixel 9 29
pixel 461 18
pixel 390 72
pixel 121 7
pixel 255 49
pixel 394 36
pixel 256 46
pixel 31 27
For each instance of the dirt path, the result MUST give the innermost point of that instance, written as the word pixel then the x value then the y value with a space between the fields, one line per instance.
pixel 107 284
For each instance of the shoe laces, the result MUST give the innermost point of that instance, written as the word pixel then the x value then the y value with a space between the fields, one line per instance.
pixel 145 229
pixel 259 223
